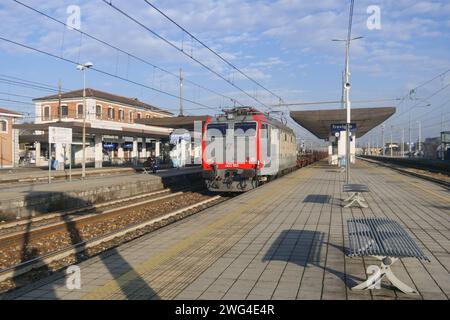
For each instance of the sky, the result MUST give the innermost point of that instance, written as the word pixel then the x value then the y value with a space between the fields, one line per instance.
pixel 284 45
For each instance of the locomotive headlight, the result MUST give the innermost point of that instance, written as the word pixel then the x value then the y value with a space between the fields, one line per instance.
pixel 230 116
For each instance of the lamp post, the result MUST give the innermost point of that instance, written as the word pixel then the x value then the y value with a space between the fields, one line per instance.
pixel 83 68
pixel 382 139
pixel 346 94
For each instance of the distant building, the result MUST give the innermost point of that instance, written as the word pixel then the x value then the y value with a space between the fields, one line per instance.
pixel 112 134
pixel 8 138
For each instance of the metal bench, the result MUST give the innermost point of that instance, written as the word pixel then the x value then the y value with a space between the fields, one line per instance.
pixel 355 198
pixel 385 240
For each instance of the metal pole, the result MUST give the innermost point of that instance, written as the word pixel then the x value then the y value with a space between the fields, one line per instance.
pixel 83 162
pixel 59 101
pixel 442 130
pixel 347 95
pixel 410 133
pixel 181 92
pixel 392 151
pixel 382 140
pixel 70 164
pixel 49 162
pixel 403 143
pixel 420 137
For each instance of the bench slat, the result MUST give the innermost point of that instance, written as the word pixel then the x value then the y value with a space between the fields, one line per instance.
pixel 381 237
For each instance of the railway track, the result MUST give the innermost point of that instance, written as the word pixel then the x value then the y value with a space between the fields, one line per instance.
pixel 423 173
pixel 48 218
pixel 46 244
pixel 36 247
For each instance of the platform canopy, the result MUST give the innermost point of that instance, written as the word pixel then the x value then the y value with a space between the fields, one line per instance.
pixel 77 127
pixel 180 122
pixel 319 122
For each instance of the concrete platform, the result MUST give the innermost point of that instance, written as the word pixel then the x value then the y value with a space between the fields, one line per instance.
pixel 9 177
pixel 285 240
pixel 26 200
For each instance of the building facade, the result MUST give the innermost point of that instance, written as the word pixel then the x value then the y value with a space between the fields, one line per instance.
pixel 112 133
pixel 9 147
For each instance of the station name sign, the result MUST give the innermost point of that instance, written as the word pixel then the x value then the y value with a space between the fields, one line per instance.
pixel 338 127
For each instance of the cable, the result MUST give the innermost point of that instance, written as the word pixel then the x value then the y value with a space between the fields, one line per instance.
pixel 427 98
pixel 35 82
pixel 125 52
pixel 212 51
pixel 16 95
pixel 26 85
pixel 105 73
pixel 426 111
pixel 330 102
pixel 17 101
pixel 182 51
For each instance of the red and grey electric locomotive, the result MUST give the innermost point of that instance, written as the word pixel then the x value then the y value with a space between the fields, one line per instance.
pixel 243 148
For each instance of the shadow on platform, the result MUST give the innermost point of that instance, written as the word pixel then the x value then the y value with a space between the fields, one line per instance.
pixel 29 251
pixel 303 247
pixel 317 198
pixel 131 283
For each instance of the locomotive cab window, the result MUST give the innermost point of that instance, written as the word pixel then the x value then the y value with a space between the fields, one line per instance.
pixel 266 134
pixel 245 129
pixel 216 130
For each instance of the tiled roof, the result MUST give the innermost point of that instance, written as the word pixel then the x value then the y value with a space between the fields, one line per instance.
pixel 93 93
pixel 2 110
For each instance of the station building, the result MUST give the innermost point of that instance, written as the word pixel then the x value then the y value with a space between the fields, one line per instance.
pixel 113 134
pixel 8 138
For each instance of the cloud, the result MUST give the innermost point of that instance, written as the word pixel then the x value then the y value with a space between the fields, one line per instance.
pixel 264 38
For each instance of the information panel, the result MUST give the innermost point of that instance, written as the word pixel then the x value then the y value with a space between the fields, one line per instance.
pixel 60 135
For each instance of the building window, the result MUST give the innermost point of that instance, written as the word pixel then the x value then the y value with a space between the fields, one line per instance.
pixel 3 125
pixel 130 116
pixel 64 111
pixel 80 111
pixel 98 111
pixel 111 113
pixel 46 115
pixel 138 116
pixel 121 115
pixel 148 116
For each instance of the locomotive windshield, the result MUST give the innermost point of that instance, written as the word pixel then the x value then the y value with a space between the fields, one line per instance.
pixel 245 129
pixel 216 129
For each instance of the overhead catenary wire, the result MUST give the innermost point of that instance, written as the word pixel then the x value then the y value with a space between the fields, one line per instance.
pixel 105 73
pixel 40 84
pixel 170 43
pixel 26 85
pixel 16 95
pixel 126 52
pixel 330 102
pixel 212 51
pixel 422 100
